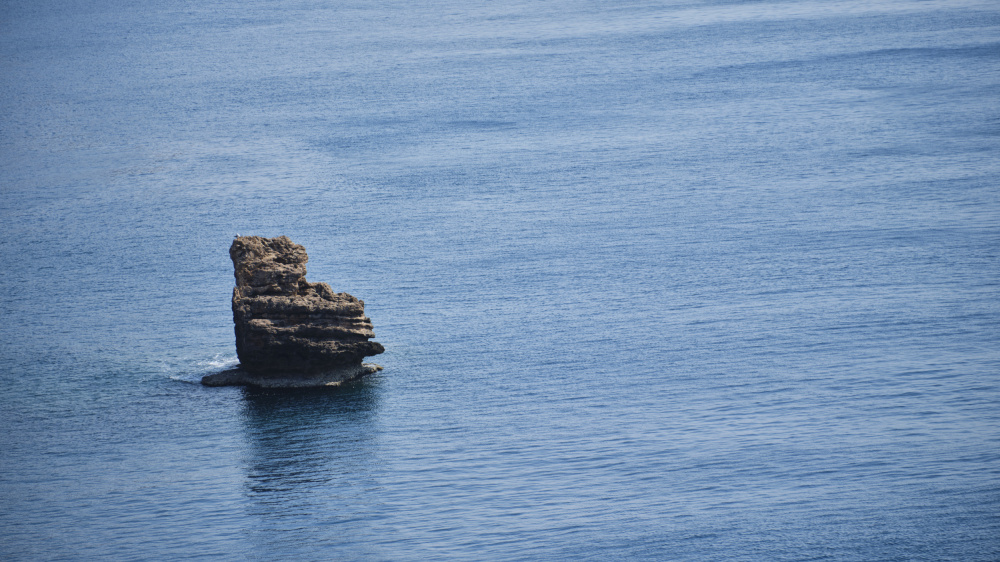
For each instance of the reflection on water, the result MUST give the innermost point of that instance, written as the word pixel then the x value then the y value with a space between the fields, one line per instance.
pixel 308 462
pixel 304 438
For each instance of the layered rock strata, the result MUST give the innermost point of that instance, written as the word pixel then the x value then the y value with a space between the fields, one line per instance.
pixel 290 332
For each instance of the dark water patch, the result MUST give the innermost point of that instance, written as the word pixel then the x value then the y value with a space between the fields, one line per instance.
pixel 487 125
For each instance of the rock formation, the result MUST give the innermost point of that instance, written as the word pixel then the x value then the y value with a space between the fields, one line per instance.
pixel 290 332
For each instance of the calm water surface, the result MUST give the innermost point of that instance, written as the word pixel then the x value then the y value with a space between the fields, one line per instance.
pixel 689 280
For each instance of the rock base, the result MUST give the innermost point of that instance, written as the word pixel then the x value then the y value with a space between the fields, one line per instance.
pixel 332 377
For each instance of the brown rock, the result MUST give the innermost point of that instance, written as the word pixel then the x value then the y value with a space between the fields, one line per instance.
pixel 289 329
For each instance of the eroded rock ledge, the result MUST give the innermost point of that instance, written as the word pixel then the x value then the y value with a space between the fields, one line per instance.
pixel 290 332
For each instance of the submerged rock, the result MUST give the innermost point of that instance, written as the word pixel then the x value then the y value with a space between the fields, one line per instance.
pixel 329 377
pixel 290 332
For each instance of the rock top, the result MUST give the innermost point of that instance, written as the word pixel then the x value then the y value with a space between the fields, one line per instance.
pixel 290 332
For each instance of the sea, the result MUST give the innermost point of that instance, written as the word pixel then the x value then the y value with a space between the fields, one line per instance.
pixel 657 280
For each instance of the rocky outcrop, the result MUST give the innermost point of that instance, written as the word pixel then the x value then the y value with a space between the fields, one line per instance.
pixel 290 332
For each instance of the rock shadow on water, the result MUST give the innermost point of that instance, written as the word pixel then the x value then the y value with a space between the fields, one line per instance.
pixel 303 444
pixel 311 468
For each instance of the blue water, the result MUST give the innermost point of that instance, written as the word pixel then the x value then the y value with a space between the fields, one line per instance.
pixel 679 280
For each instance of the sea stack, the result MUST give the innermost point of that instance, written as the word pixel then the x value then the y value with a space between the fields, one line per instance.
pixel 290 332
